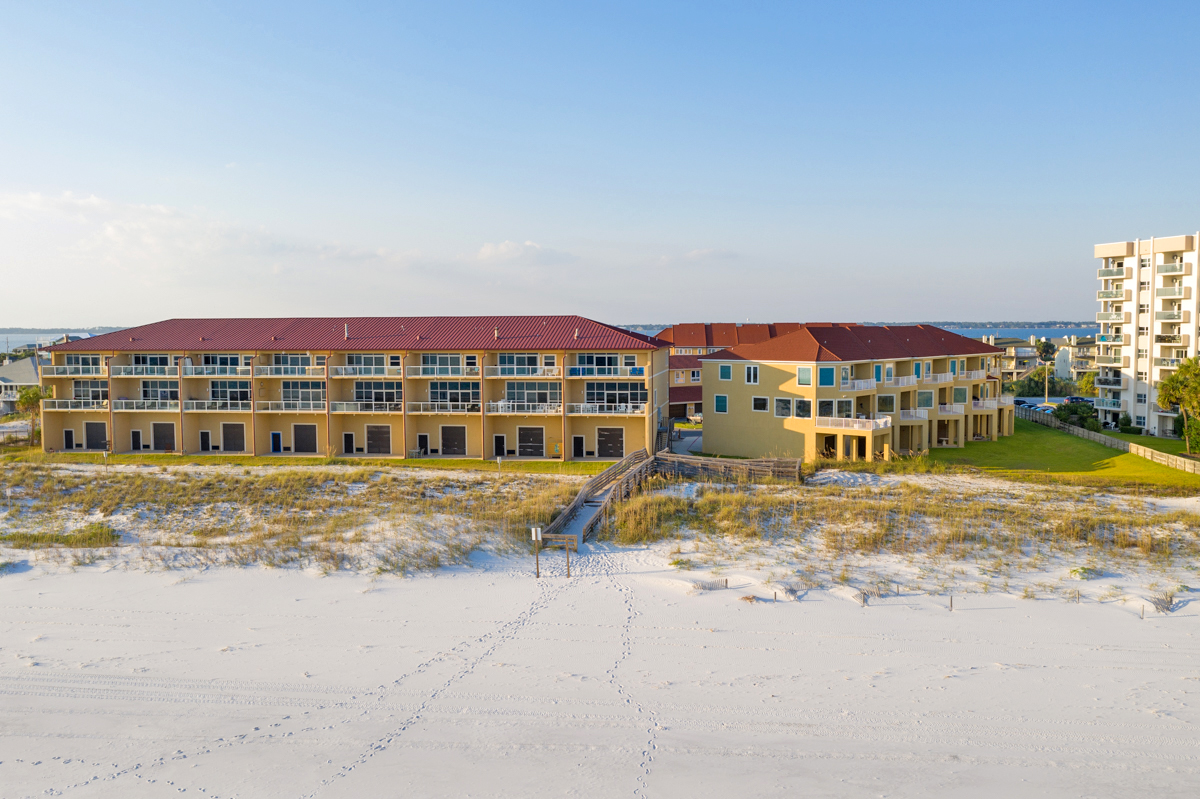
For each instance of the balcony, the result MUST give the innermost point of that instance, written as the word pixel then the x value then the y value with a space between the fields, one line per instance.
pixel 217 371
pixel 976 374
pixel 443 407
pixel 1168 338
pixel 952 410
pixel 1183 292
pixel 1110 316
pixel 606 371
pixel 945 377
pixel 522 371
pixel 1110 404
pixel 283 406
pixel 1172 411
pixel 1006 399
pixel 1111 338
pixel 442 371
pixel 525 408
pixel 1109 360
pixel 984 405
pixel 914 415
pixel 1112 271
pixel 145 405
pixel 289 371
pixel 1174 269
pixel 900 382
pixel 1169 316
pixel 223 406
pixel 366 407
pixel 838 423
pixel 596 409
pixel 367 371
pixel 1170 363
pixel 1110 382
pixel 144 371
pixel 859 385
pixel 74 371
pixel 1110 294
pixel 74 405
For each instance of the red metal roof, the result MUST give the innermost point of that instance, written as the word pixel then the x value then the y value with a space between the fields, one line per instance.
pixel 366 333
pixel 724 334
pixel 841 342
pixel 683 362
pixel 679 394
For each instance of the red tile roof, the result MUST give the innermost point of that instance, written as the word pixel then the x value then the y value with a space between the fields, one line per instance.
pixel 841 342
pixel 724 334
pixel 683 362
pixel 387 333
pixel 686 393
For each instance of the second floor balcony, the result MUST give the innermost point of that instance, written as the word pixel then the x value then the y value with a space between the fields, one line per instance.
pixel 74 371
pixel 289 371
pixel 525 408
pixel 212 370
pixel 1105 403
pixel 914 414
pixel 600 409
pixel 285 406
pixel 944 377
pixel 974 374
pixel 840 423
pixel 900 382
pixel 145 405
pixel 74 405
pixel 859 385
pixel 219 406
pixel 1005 399
pixel 366 407
pixel 522 371
pixel 984 405
pixel 444 407
pixel 367 371
pixel 606 371
pixel 953 409
pixel 143 371
pixel 431 370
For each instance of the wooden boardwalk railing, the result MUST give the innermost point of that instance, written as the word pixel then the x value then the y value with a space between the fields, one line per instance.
pixel 592 487
pixel 1165 458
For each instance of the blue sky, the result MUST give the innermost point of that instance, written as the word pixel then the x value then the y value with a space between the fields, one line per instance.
pixel 628 162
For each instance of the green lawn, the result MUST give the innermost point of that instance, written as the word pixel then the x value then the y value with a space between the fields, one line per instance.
pixel 1038 453
pixel 26 455
pixel 1173 446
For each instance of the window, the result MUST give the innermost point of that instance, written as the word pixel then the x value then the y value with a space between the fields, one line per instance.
pixel 1142 331
pixel 550 360
pixel 160 389
pixel 538 393
pixel 151 360
pixel 725 371
pixel 615 393
pixel 960 395
pixel 454 391
pixel 783 407
pixel 1141 353
pixel 434 364
pixel 630 360
pixel 825 376
pixel 229 390
pixel 845 374
pixel 679 377
pixel 1141 376
pixel 597 363
pixel 303 391
pixel 804 375
pixel 721 403
pixel 887 373
pixel 917 369
pixel 953 367
pixel 758 404
pixel 752 376
pixel 366 364
pixel 929 367
pixel 394 360
pixel 924 399
pixel 83 360
pixel 1144 285
pixel 1143 308
pixel 695 375
pixel 93 390
pixel 284 359
pixel 962 365
pixel 213 359
pixel 803 409
pixel 468 360
pixel 381 391
pixel 825 408
pixel 878 373
pixel 845 408
pixel 1140 421
pixel 885 403
pixel 1141 399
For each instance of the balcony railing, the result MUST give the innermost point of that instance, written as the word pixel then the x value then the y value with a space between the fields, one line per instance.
pixel 900 382
pixel 838 423
pixel 1168 338
pixel 217 405
pixel 606 371
pixel 945 377
pixel 367 371
pixel 914 414
pixel 589 408
pixel 1110 316
pixel 289 371
pixel 1168 362
pixel 1168 316
pixel 975 374
pixel 1110 382
pixel 1110 294
pixel 1112 271
pixel 74 405
pixel 145 405
pixel 525 407
pixel 984 405
pixel 210 370
pixel 1006 399
pixel 442 371
pixel 276 406
pixel 952 410
pixel 1109 360
pixel 366 407
pixel 144 371
pixel 1156 408
pixel 859 385
pixel 443 407
pixel 1110 404
pixel 1172 269
pixel 1110 338
pixel 522 371
pixel 1172 291
pixel 72 371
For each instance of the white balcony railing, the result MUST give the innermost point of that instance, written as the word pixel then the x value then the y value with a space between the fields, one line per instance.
pixel 1168 316
pixel 859 385
pixel 1006 399
pixel 276 406
pixel 289 371
pixel 898 382
pixel 1110 382
pixel 211 370
pixel 74 371
pixel 143 371
pixel 525 407
pixel 443 407
pixel 1109 360
pixel 1110 294
pixel 217 405
pixel 974 374
pixel 1172 291
pixel 366 407
pixel 838 423
pixel 984 405
pixel 1105 403
pixel 1171 269
pixel 442 371
pixel 913 414
pixel 1109 316
pixel 74 405
pixel 606 371
pixel 945 377
pixel 522 371
pixel 951 410
pixel 145 405
pixel 1168 362
pixel 367 371
pixel 589 408
pixel 1112 271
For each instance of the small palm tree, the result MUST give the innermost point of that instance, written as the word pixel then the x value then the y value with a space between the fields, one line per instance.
pixel 29 400
pixel 1183 389
pixel 1046 350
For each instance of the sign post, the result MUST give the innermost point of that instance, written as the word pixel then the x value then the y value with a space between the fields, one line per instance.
pixel 536 534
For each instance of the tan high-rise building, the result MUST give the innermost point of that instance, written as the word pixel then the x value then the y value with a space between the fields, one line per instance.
pixel 1147 317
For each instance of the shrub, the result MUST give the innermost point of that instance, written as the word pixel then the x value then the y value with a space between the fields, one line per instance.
pixel 1092 424
pixel 1125 421
pixel 1130 430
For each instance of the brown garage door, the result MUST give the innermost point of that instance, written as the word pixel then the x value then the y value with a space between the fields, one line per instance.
pixel 304 438
pixel 233 437
pixel 454 441
pixel 531 442
pixel 164 436
pixel 610 442
pixel 379 439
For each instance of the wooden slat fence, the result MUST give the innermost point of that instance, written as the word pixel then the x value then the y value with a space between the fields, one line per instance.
pixel 693 466
pixel 1165 458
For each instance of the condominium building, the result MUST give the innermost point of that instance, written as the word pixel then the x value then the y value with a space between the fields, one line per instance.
pixel 853 391
pixel 1076 357
pixel 1147 322
pixel 471 387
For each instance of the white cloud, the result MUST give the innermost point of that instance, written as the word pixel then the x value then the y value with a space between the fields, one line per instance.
pixel 530 252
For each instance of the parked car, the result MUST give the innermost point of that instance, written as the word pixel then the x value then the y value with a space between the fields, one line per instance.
pixel 1070 400
pixel 1022 403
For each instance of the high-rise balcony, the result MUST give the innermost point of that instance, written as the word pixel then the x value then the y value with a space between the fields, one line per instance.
pixel 1170 338
pixel 1183 292
pixel 1172 316
pixel 1109 360
pixel 1110 382
pixel 1114 271
pixel 1112 294
pixel 1174 269
pixel 1170 363
pixel 1111 316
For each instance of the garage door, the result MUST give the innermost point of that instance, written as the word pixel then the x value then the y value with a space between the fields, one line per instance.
pixel 233 437
pixel 304 438
pixel 379 439
pixel 610 442
pixel 530 442
pixel 95 435
pixel 454 441
pixel 163 434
